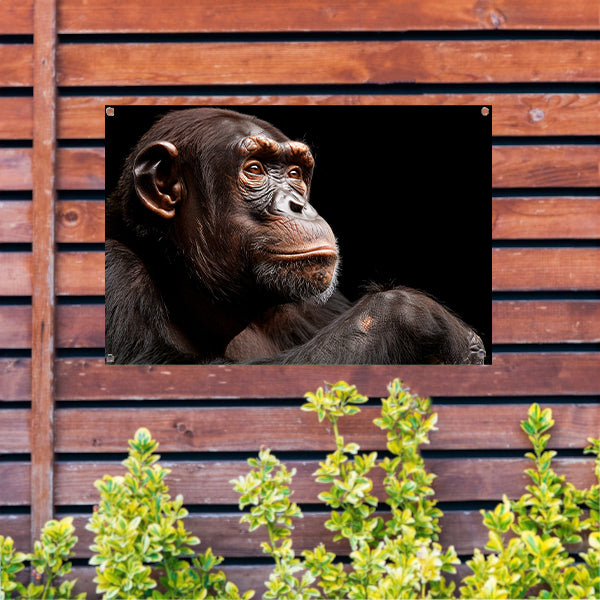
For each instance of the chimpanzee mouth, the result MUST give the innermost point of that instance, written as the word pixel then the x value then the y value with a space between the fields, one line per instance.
pixel 316 252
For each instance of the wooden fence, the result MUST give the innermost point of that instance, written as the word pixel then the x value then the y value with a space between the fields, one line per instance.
pixel 65 416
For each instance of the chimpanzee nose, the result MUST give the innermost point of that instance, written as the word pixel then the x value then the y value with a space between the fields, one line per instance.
pixel 293 205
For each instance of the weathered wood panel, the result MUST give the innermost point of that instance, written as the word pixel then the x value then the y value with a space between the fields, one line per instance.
pixel 273 63
pixel 16 66
pixel 513 114
pixel 529 374
pixel 76 221
pixel 523 374
pixel 545 218
pixel 540 321
pixel 553 166
pixel 79 16
pixel 203 482
pixel 545 268
pixel 77 273
pixel 289 429
pixel 15 428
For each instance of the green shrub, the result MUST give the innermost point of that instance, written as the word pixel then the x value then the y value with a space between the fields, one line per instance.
pixel 400 557
pixel 142 549
pixel 49 561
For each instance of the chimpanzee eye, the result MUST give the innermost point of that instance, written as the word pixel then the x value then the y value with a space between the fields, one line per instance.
pixel 295 173
pixel 254 168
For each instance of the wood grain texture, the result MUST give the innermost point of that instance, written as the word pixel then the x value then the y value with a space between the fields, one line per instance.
pixel 529 374
pixel 77 273
pixel 43 265
pixel 15 169
pixel 77 16
pixel 556 373
pixel 271 63
pixel 553 166
pixel 16 66
pixel 208 482
pixel 290 429
pixel 76 221
pixel 529 269
pixel 546 321
pixel 545 218
pixel 513 114
pixel 15 433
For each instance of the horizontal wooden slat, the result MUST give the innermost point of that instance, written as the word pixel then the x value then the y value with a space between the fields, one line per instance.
pixel 554 166
pixel 208 482
pixel 79 16
pixel 529 374
pixel 272 63
pixel 512 166
pixel 82 273
pixel 541 321
pixel 76 221
pixel 457 479
pixel 15 169
pixel 77 273
pixel 76 16
pixel 514 322
pixel 545 268
pixel 545 218
pixel 513 114
pixel 516 374
pixel 16 66
pixel 290 429
pixel 15 432
pixel 77 326
pixel 512 218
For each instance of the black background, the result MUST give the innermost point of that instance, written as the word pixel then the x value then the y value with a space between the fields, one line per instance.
pixel 406 189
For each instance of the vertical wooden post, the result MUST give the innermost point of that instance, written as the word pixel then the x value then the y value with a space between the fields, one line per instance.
pixel 42 363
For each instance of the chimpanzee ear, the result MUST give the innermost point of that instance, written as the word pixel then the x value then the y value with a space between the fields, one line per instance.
pixel 156 176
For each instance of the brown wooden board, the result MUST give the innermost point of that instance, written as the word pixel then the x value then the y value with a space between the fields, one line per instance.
pixel 16 66
pixel 272 63
pixel 513 114
pixel 290 429
pixel 79 16
pixel 545 218
pixel 545 268
pixel 546 321
pixel 76 16
pixel 459 479
pixel 554 373
pixel 208 482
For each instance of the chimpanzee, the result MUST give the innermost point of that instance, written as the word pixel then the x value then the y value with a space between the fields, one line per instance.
pixel 214 254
